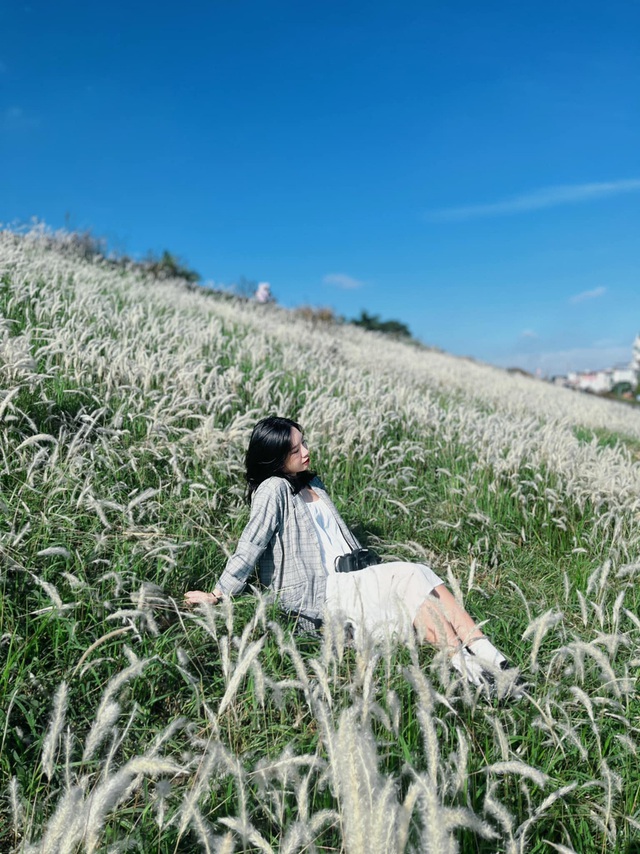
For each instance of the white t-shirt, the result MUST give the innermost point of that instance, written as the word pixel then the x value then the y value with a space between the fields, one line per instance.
pixel 330 537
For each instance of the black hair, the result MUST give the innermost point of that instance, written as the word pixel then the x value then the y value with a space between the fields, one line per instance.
pixel 269 447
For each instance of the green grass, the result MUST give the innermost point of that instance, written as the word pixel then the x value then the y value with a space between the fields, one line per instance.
pixel 608 439
pixel 412 493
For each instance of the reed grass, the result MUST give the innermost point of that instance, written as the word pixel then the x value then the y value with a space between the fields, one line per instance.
pixel 130 723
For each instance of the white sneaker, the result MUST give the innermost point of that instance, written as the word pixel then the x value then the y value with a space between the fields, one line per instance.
pixel 469 666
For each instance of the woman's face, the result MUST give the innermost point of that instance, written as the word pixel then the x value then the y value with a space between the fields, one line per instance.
pixel 298 459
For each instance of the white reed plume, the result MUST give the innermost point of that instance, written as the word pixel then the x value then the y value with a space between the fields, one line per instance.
pixel 90 815
pixel 628 743
pixel 497 810
pixel 205 618
pixel 109 709
pixel 633 617
pixel 118 738
pixel 146 598
pixel 129 616
pixel 323 680
pixel 143 496
pixel 500 734
pixel 96 505
pixel 561 731
pixel 213 757
pixel 51 591
pixel 34 440
pixel 585 701
pixel 241 668
pixel 612 786
pixel 54 551
pixel 521 769
pixel 598 580
pixel 431 744
pixel 617 684
pixel 334 642
pixel 258 619
pixel 584 611
pixel 288 647
pixel 539 628
pixel 225 844
pixel 426 693
pixel 561 849
pixel 207 840
pixel 108 636
pixel 5 403
pixel 615 613
pixel 55 832
pixel 279 777
pixel 298 837
pixel 438 822
pixel 248 833
pixel 635 825
pixel 17 809
pixel 368 804
pixel 524 828
pixel 52 738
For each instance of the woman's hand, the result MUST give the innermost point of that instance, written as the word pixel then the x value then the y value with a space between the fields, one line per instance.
pixel 201 597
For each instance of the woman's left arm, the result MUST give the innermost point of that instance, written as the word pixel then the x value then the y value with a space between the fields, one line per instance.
pixel 267 514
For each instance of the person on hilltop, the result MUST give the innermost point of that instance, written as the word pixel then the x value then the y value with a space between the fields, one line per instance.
pixel 308 557
pixel 263 293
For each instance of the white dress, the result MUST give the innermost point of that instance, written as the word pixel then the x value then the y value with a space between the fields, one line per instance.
pixel 380 600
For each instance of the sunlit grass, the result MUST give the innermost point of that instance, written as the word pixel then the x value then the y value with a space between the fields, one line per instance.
pixel 128 722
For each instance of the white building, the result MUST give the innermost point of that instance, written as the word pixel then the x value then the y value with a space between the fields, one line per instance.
pixel 600 381
pixel 603 381
pixel 623 375
pixel 595 381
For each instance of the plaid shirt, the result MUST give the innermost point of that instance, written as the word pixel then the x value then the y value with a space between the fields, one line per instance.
pixel 280 537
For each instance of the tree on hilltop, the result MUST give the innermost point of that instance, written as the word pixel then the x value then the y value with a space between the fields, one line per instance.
pixel 169 266
pixel 389 327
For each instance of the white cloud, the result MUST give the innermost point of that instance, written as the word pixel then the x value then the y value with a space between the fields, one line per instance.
pixel 587 295
pixel 341 280
pixel 528 333
pixel 547 197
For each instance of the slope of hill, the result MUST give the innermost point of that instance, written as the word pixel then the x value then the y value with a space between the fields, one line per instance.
pixel 125 408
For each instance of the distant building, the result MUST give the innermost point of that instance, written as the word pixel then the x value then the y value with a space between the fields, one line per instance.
pixel 595 381
pixel 599 382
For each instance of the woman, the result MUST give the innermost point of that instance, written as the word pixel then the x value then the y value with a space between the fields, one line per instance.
pixel 295 535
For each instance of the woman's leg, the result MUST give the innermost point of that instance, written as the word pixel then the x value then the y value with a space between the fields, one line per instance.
pixel 443 622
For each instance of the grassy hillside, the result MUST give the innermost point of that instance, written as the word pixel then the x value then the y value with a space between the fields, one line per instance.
pixel 130 723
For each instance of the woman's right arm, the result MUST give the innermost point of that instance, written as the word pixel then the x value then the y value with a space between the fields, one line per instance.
pixel 267 513
pixel 198 597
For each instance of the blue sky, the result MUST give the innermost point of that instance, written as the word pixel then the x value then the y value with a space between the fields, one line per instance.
pixel 472 169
